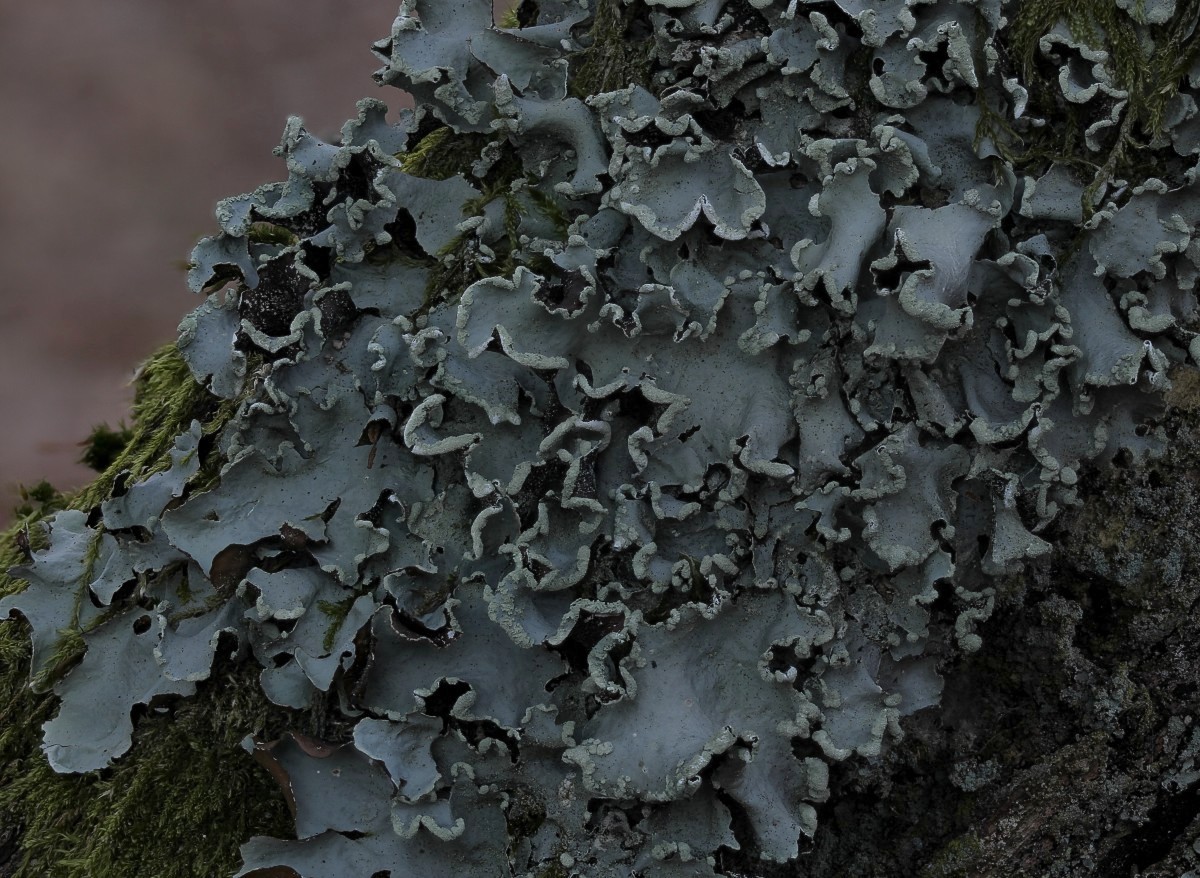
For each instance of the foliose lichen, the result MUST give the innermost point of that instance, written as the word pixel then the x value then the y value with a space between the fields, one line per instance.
pixel 615 488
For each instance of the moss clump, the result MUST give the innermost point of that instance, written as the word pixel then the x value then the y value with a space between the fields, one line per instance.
pixel 39 501
pixel 337 612
pixel 509 18
pixel 167 399
pixel 1149 61
pixel 441 154
pixel 614 57
pixel 104 445
pixel 186 786
pixel 270 233
pixel 186 796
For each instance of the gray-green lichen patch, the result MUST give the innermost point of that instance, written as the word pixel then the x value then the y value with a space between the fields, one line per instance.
pixel 765 369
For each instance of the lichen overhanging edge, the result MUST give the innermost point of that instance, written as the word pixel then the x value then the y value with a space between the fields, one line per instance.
pixel 692 501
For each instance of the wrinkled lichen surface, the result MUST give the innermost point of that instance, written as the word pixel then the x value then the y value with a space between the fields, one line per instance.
pixel 612 455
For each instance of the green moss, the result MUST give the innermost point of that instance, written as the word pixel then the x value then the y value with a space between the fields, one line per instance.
pixel 432 157
pixel 957 859
pixel 551 210
pixel 166 400
pixel 337 612
pixel 104 445
pixel 179 804
pixel 67 652
pixel 614 58
pixel 441 154
pixel 186 796
pixel 186 785
pixel 509 18
pixel 270 233
pixel 39 501
pixel 1148 61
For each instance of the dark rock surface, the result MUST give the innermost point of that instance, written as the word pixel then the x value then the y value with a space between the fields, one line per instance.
pixel 1069 745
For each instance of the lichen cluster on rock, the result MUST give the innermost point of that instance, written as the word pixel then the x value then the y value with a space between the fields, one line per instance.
pixel 633 432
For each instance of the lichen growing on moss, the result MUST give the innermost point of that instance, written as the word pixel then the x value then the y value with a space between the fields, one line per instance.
pixel 528 535
pixel 1148 61
pixel 188 786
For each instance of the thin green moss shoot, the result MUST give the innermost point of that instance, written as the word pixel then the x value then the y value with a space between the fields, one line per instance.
pixel 187 785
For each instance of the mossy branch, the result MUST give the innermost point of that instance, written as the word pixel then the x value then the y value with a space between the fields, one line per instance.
pixel 186 774
pixel 1147 61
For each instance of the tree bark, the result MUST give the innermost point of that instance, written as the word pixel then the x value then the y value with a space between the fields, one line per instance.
pixel 1069 745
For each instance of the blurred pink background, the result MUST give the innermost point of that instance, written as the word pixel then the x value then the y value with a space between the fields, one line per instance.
pixel 124 123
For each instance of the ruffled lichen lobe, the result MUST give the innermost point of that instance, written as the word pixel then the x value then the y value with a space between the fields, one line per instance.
pixel 604 467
